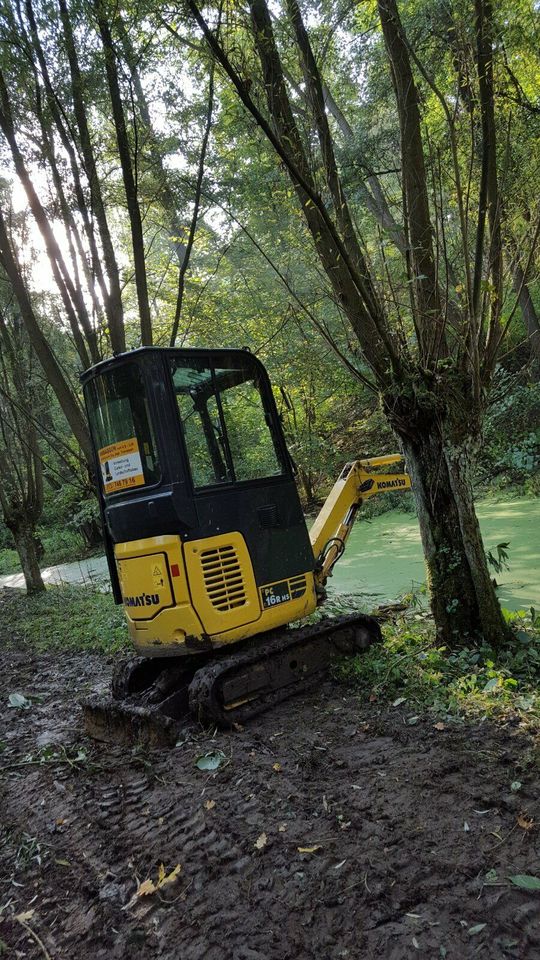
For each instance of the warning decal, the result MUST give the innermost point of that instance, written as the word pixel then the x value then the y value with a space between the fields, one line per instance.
pixel 121 466
pixel 157 575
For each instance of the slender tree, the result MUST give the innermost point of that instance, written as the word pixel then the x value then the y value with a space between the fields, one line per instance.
pixel 21 470
pixel 65 395
pixel 128 172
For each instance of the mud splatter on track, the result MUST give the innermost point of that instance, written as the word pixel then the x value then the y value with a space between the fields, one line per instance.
pixel 408 821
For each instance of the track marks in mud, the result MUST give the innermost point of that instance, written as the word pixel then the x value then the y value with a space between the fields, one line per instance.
pixel 384 803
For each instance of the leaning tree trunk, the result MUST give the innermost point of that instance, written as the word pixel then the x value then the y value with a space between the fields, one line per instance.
pixel 28 548
pixel 463 599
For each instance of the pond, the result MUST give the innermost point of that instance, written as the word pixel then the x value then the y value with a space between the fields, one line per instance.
pixel 383 558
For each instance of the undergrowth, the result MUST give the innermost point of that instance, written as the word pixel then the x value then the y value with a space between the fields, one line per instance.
pixel 67 617
pixel 60 545
pixel 411 668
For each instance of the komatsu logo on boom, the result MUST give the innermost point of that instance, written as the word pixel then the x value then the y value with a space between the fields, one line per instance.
pixel 144 600
pixel 388 484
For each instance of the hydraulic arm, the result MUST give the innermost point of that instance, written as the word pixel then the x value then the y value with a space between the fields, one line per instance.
pixel 333 525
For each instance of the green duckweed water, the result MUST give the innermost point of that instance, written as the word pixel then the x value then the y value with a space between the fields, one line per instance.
pixel 383 559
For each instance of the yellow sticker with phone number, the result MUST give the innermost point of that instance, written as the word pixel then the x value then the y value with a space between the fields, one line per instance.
pixel 121 465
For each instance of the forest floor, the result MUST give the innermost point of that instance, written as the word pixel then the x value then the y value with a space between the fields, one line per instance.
pixel 334 828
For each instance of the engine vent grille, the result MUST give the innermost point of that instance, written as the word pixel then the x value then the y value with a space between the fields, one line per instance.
pixel 223 578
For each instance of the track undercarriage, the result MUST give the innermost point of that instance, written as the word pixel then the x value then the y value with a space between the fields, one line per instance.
pixel 151 697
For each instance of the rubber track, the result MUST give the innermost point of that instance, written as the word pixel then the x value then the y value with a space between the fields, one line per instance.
pixel 141 715
pixel 340 633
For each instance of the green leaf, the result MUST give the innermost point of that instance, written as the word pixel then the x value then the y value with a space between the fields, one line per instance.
pixel 17 700
pixel 472 931
pixel 210 761
pixel 491 685
pixel 515 786
pixel 525 882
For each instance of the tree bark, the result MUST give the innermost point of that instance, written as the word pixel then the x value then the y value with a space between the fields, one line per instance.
pixel 28 547
pixel 459 462
pixel 184 264
pixel 130 185
pixel 489 202
pixel 428 316
pixel 114 307
pixel 529 314
pixel 71 297
pixel 340 254
pixel 21 465
pixel 58 117
pixel 73 237
pixel 51 368
pixel 164 190
pixel 463 599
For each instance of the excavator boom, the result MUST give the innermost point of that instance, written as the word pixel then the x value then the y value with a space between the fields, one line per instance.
pixel 333 525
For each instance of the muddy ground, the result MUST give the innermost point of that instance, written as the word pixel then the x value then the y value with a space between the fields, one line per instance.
pixel 415 830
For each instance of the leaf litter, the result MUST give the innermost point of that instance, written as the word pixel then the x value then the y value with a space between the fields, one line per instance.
pixel 149 887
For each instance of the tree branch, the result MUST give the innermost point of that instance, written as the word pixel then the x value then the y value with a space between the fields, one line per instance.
pixel 196 205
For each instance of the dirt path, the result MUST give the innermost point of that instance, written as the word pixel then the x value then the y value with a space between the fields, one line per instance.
pixel 408 821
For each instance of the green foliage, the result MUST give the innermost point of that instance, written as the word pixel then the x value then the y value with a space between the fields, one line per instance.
pixel 410 667
pixel 61 619
pixel 9 561
pixel 61 545
pixel 500 561
pixel 510 452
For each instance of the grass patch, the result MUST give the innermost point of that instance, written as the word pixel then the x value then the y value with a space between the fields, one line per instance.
pixel 410 667
pixel 67 617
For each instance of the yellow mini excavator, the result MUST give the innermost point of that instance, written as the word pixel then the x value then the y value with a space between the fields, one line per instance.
pixel 207 544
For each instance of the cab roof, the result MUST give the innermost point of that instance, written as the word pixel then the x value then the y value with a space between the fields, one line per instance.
pixel 142 352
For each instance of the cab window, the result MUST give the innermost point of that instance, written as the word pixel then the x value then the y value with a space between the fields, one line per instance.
pixel 226 428
pixel 121 429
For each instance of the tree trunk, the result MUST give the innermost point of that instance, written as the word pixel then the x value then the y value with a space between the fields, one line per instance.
pixel 129 174
pixel 306 480
pixel 529 314
pixel 463 599
pixel 27 546
pixel 113 302
pixel 51 368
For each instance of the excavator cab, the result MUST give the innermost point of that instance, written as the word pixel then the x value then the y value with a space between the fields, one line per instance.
pixel 204 531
